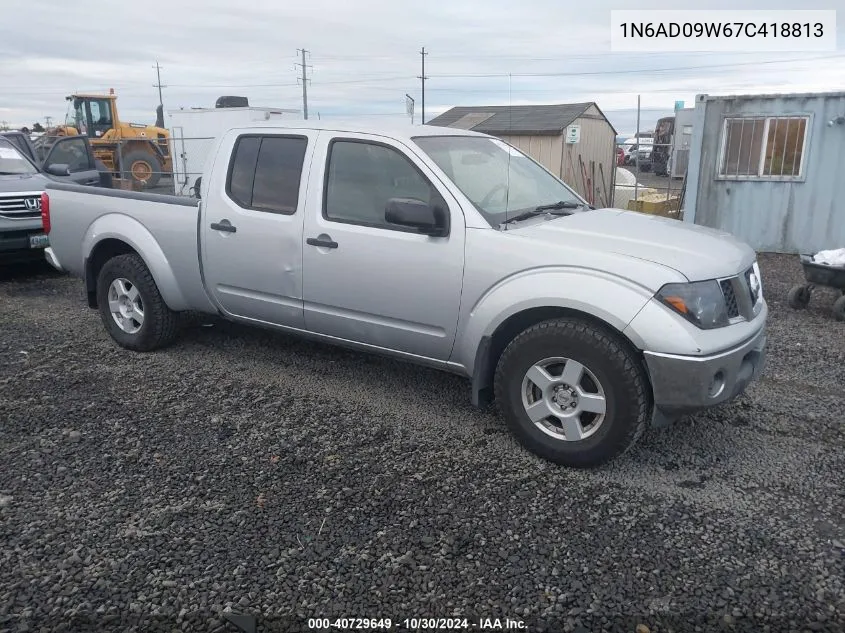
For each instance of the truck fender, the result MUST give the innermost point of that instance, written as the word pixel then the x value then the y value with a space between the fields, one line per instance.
pixel 116 226
pixel 663 332
pixel 612 300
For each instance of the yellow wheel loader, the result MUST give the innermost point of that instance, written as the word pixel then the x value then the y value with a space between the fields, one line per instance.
pixel 134 152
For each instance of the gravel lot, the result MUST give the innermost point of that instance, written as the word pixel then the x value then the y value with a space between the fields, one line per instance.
pixel 248 470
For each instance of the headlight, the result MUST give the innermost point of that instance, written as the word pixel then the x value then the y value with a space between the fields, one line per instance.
pixel 701 303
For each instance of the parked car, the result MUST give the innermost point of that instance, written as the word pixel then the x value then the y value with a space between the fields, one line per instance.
pixel 638 149
pixel 628 148
pixel 643 156
pixel 444 247
pixel 23 180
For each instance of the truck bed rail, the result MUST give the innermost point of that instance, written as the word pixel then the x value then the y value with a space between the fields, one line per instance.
pixel 131 195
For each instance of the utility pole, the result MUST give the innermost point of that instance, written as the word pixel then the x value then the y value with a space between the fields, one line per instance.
pixel 422 79
pixel 304 79
pixel 158 84
pixel 48 120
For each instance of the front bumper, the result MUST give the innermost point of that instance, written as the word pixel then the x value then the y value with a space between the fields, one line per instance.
pixel 683 384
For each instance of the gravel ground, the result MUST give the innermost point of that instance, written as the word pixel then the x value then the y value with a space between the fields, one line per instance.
pixel 246 470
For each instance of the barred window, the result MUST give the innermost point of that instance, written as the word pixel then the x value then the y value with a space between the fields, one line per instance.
pixel 763 147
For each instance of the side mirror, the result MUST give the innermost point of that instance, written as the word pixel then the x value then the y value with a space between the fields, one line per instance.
pixel 416 214
pixel 57 169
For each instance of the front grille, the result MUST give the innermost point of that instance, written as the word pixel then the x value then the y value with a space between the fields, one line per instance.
pixel 730 298
pixel 15 207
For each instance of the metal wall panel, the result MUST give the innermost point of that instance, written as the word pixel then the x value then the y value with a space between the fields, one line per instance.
pixel 800 216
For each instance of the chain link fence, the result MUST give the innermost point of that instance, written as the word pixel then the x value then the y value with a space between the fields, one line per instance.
pixel 652 165
pixel 169 165
pixel 650 176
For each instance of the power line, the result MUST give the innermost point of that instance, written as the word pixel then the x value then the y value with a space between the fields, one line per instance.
pixel 233 85
pixel 378 79
pixel 633 70
pixel 475 56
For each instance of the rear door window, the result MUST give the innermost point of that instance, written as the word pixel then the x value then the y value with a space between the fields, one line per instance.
pixel 266 171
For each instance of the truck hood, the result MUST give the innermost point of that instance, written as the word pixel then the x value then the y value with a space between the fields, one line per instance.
pixel 23 182
pixel 694 251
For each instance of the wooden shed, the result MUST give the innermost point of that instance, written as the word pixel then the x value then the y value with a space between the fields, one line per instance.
pixel 575 141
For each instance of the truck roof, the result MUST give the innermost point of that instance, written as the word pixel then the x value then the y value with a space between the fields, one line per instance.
pixel 384 128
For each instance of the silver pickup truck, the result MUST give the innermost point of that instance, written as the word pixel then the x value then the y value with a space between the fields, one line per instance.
pixel 443 247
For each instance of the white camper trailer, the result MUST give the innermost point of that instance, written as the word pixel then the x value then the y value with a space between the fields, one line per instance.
pixel 192 133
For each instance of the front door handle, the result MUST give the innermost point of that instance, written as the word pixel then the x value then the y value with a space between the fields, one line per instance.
pixel 316 241
pixel 224 225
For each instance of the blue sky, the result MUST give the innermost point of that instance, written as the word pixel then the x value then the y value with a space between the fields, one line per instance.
pixel 365 57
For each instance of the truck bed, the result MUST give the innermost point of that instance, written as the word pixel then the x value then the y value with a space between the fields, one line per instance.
pixel 162 227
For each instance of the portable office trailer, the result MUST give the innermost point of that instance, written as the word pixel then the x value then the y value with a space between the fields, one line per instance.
pixel 192 133
pixel 768 169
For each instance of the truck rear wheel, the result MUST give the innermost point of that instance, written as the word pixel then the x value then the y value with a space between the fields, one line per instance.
pixel 571 393
pixel 131 306
pixel 142 167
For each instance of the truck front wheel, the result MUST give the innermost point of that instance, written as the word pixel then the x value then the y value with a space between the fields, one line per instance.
pixel 572 393
pixel 131 306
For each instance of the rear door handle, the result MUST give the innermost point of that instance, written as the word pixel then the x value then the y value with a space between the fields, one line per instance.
pixel 225 226
pixel 316 241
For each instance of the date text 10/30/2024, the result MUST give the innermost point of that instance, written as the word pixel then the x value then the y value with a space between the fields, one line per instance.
pixel 416 624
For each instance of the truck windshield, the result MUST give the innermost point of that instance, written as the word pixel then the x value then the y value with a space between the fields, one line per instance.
pixel 12 162
pixel 499 180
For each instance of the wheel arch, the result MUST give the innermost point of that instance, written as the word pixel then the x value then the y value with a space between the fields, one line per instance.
pixel 493 345
pixel 109 237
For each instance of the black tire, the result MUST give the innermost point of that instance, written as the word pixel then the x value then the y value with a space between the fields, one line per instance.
pixel 153 167
pixel 160 323
pixel 839 308
pixel 616 368
pixel 799 297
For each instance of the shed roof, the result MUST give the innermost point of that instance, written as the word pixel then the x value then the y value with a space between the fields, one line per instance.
pixel 520 119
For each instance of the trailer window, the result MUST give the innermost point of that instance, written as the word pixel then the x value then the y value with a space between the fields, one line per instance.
pixel 767 148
